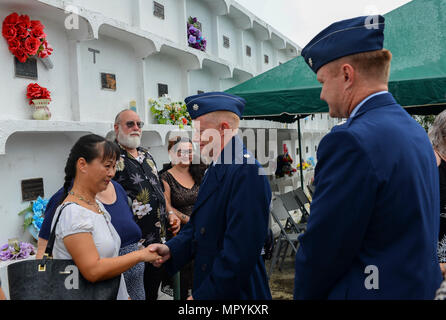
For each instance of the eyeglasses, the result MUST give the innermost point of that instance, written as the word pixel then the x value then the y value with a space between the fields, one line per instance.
pixel 184 152
pixel 131 124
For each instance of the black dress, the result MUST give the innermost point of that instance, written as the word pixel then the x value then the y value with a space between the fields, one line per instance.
pixel 182 199
pixel 442 234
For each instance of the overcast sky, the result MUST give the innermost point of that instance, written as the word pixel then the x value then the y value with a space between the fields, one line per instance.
pixel 301 20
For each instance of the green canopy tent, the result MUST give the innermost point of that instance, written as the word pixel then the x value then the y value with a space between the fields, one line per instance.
pixel 415 34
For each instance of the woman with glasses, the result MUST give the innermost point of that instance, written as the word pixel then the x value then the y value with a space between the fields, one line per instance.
pixel 181 183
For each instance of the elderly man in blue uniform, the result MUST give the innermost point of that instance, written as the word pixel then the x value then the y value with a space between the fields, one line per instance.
pixel 374 221
pixel 228 226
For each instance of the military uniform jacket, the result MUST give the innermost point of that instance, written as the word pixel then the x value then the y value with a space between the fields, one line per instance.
pixel 373 228
pixel 227 230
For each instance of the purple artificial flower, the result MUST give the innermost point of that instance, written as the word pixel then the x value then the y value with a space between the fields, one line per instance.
pixel 26 249
pixel 192 39
pixel 5 253
pixel 20 250
pixel 194 20
pixel 193 31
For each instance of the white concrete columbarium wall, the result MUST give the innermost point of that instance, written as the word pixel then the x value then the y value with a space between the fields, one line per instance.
pixel 30 155
pixel 198 9
pixel 282 57
pixel 225 84
pixel 97 104
pixel 116 9
pixel 13 89
pixel 202 80
pixel 250 63
pixel 270 52
pixel 166 70
pixel 227 28
pixel 173 24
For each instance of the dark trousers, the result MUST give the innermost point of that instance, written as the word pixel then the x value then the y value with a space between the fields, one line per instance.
pixel 152 281
pixel 186 280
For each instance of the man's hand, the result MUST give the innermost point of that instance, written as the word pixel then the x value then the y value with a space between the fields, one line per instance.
pixel 175 223
pixel 162 250
pixel 190 298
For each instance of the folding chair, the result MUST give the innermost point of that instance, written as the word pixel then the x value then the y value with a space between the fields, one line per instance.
pixel 310 188
pixel 302 199
pixel 291 202
pixel 288 233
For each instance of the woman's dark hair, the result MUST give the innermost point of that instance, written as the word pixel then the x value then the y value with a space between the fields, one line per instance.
pixel 89 147
pixel 196 170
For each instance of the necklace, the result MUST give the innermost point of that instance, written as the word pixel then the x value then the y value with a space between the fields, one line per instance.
pixel 87 201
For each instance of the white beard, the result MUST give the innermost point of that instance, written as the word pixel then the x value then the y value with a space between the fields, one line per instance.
pixel 128 141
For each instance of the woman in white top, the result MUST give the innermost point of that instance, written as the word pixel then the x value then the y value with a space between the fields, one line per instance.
pixel 84 232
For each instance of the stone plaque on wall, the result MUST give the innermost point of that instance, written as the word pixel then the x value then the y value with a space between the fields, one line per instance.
pixel 162 89
pixel 26 69
pixel 108 81
pixel 32 188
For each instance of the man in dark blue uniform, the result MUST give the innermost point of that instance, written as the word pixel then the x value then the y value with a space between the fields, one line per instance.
pixel 228 226
pixel 374 222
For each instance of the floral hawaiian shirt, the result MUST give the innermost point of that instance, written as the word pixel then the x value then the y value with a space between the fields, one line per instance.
pixel 139 178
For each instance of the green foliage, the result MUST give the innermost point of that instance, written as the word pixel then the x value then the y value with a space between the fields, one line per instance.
pixel 425 121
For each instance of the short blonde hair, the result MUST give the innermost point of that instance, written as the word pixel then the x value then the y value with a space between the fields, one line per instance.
pixel 228 116
pixel 372 64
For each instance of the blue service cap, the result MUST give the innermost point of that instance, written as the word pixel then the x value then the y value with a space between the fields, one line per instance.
pixel 344 38
pixel 203 103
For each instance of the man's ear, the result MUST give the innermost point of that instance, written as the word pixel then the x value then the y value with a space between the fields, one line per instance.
pixel 224 125
pixel 349 75
pixel 116 127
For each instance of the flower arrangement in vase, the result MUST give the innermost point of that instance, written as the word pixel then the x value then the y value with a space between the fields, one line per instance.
pixel 194 35
pixel 168 112
pixel 39 97
pixel 25 37
pixel 34 215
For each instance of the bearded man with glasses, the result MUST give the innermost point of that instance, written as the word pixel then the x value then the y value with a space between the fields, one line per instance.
pixel 137 173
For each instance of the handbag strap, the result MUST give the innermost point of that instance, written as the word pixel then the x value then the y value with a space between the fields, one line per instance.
pixel 52 239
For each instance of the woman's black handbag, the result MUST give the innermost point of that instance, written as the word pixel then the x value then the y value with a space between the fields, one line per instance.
pixel 56 279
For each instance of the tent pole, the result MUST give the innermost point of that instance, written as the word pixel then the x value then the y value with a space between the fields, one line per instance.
pixel 300 154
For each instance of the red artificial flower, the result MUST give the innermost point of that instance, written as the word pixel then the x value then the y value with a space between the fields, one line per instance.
pixel 20 54
pixel 22 32
pixel 34 91
pixel 36 24
pixel 9 32
pixel 13 44
pixel 46 49
pixel 11 20
pixel 24 21
pixel 32 45
pixel 184 121
pixel 37 32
